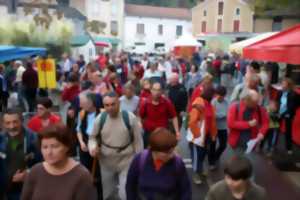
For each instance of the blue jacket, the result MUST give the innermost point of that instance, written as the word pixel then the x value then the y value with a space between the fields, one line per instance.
pixel 170 182
pixel 29 148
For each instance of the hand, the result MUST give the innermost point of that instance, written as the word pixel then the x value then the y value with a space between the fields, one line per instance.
pixel 19 176
pixel 178 135
pixel 83 147
pixel 252 123
pixel 260 137
pixel 94 152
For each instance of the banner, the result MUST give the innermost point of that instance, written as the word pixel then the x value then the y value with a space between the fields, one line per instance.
pixel 46 73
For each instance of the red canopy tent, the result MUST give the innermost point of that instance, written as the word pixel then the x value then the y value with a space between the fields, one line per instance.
pixel 282 47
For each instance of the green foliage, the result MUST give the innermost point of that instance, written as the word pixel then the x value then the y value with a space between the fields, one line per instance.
pixel 262 5
pixel 166 3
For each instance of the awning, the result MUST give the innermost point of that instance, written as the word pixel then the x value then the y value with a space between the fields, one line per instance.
pixel 80 40
pixel 13 52
pixel 282 47
pixel 186 41
pixel 239 46
pixel 100 41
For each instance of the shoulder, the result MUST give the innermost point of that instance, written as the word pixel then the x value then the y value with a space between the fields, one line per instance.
pixel 36 170
pixel 219 187
pixel 82 172
pixel 259 192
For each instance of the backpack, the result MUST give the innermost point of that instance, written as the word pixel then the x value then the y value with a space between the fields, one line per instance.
pixel 125 117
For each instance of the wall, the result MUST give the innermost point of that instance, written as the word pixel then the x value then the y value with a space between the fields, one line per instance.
pixel 265 24
pixel 79 5
pixel 228 17
pixel 151 31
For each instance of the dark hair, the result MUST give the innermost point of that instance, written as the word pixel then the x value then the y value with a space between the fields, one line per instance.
pixel 111 95
pixel 45 101
pixel 221 90
pixel 238 168
pixel 255 65
pixel 14 111
pixel 162 140
pixel 93 98
pixel 73 78
pixel 60 132
pixel 208 93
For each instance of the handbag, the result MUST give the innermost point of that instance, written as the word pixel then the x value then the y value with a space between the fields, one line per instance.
pixel 199 141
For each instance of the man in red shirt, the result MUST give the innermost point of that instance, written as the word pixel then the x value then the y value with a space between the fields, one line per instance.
pixel 44 117
pixel 156 111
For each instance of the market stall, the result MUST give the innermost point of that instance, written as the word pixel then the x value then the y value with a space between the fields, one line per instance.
pixel 185 46
pixel 14 52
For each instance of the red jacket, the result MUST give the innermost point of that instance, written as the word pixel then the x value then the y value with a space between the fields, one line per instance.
pixel 196 93
pixel 236 124
pixel 35 123
pixel 296 127
pixel 69 94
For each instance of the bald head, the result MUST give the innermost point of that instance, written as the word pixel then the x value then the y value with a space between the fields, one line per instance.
pixel 251 97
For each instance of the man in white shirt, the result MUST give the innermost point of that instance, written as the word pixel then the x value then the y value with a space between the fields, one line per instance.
pixel 67 64
pixel 129 101
pixel 20 69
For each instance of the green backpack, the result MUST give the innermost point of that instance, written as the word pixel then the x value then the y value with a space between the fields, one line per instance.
pixel 125 117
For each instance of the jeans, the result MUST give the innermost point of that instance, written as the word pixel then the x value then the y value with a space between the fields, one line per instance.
pixel 222 138
pixel 271 138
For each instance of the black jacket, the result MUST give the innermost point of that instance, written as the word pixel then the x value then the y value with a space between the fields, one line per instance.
pixel 292 102
pixel 178 96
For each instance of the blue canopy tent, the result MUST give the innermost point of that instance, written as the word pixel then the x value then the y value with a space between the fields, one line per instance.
pixel 13 52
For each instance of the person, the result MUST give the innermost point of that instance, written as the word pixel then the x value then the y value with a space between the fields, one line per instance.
pixel 287 101
pixel 72 88
pixel 149 109
pixel 59 176
pixel 4 94
pixel 193 78
pixel 129 101
pixel 44 116
pixel 18 152
pixel 115 139
pixel 202 133
pixel 221 106
pixel 86 120
pixel 157 173
pixel 30 83
pixel 246 120
pixel 178 96
pixel 146 89
pixel 273 132
pixel 153 74
pixel 20 69
pixel 67 64
pixel 237 184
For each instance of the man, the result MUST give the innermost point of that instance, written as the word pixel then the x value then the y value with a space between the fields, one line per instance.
pixel 178 96
pixel 115 139
pixel 237 184
pixel 44 115
pixel 129 101
pixel 18 152
pixel 246 120
pixel 20 69
pixel 30 82
pixel 3 89
pixel 156 111
pixel 67 64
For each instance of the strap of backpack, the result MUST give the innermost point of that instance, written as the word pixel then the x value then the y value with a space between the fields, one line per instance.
pixel 125 117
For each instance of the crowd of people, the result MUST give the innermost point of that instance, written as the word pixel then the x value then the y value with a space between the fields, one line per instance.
pixel 111 128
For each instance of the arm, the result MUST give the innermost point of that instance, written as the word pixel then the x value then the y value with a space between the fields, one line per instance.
pixel 85 189
pixel 132 179
pixel 185 185
pixel 137 131
pixel 233 121
pixel 28 187
pixel 93 144
pixel 193 122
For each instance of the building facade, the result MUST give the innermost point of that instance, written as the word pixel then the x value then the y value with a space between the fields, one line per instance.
pixel 222 16
pixel 150 29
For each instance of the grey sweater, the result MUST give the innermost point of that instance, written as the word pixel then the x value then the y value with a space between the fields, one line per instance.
pixel 220 191
pixel 221 113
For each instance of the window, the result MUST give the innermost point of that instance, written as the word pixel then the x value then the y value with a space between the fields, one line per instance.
pixel 236 26
pixel 178 30
pixel 204 13
pixel 139 43
pixel 203 27
pixel 277 24
pixel 114 28
pixel 219 28
pixel 160 30
pixel 140 29
pixel 220 8
pixel 237 11
pixel 159 45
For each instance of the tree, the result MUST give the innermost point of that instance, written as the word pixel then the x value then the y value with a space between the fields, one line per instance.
pixel 262 5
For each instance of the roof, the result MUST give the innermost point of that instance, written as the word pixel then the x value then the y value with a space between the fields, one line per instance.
pixel 285 13
pixel 157 12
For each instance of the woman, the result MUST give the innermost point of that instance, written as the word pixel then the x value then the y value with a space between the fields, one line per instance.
pixel 158 173
pixel 59 176
pixel 193 79
pixel 202 133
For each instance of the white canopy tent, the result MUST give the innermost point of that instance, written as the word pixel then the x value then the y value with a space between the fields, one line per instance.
pixel 239 46
pixel 186 40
